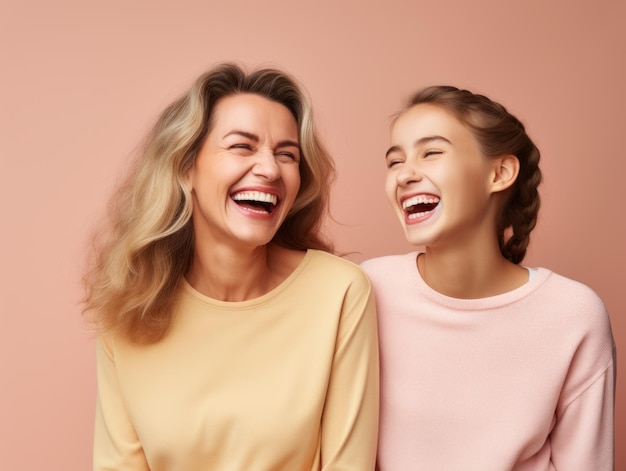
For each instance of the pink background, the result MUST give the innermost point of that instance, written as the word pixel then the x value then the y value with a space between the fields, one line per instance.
pixel 80 82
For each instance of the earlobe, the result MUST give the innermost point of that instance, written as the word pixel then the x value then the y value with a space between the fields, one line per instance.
pixel 505 171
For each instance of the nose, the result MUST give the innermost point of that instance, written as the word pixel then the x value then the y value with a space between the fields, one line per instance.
pixel 266 166
pixel 409 173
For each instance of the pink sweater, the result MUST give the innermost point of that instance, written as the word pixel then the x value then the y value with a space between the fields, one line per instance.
pixel 520 381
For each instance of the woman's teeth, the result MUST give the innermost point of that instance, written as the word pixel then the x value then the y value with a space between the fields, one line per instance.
pixel 256 201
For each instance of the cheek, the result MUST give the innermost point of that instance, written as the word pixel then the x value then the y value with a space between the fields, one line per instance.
pixel 292 180
pixel 471 185
pixel 391 189
pixel 292 184
pixel 297 179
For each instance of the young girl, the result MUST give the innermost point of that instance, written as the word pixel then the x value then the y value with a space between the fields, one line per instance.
pixel 486 364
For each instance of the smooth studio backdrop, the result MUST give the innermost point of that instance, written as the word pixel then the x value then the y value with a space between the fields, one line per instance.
pixel 81 82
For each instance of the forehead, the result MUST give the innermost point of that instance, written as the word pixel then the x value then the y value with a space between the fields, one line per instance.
pixel 251 111
pixel 426 119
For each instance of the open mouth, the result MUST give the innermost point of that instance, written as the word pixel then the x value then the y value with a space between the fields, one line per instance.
pixel 256 201
pixel 420 205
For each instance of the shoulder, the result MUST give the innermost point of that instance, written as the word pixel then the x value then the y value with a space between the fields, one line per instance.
pixel 582 319
pixel 381 267
pixel 583 323
pixel 335 268
pixel 574 297
pixel 114 345
pixel 339 284
pixel 377 263
pixel 107 345
pixel 327 278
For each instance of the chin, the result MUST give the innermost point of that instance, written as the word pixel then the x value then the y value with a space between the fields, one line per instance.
pixel 251 236
pixel 257 241
pixel 418 238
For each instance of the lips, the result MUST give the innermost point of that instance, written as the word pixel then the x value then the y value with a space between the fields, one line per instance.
pixel 418 206
pixel 260 202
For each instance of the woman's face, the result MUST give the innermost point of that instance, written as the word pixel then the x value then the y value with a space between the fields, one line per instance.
pixel 246 175
pixel 438 181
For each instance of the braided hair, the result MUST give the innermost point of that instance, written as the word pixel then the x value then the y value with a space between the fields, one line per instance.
pixel 498 133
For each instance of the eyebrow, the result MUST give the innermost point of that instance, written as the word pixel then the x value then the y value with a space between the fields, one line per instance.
pixel 247 135
pixel 255 138
pixel 421 141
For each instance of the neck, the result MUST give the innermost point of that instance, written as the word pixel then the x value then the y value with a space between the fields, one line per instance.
pixel 231 274
pixel 470 273
pixel 235 274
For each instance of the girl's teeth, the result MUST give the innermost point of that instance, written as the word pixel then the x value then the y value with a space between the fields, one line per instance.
pixel 417 215
pixel 419 199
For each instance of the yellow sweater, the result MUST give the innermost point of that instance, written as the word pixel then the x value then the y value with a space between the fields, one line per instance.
pixel 287 381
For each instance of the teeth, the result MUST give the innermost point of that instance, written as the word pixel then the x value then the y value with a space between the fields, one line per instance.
pixel 419 199
pixel 256 196
pixel 417 215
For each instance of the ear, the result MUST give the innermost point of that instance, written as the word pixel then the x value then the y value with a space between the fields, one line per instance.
pixel 504 174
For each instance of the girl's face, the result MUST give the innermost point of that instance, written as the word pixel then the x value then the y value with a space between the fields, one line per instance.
pixel 246 175
pixel 438 181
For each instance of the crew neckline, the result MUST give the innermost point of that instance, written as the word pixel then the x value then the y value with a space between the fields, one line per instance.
pixel 537 276
pixel 248 303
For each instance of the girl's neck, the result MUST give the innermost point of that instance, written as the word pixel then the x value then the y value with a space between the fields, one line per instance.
pixel 236 275
pixel 469 274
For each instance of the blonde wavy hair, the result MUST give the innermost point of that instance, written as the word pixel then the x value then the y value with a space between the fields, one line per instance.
pixel 145 248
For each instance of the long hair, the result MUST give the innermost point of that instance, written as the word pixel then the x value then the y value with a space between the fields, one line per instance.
pixel 498 133
pixel 146 246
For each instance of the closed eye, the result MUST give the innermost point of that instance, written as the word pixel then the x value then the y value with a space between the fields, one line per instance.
pixel 393 158
pixel 287 153
pixel 430 153
pixel 241 148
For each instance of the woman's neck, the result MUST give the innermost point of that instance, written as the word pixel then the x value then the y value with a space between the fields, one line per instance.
pixel 231 274
pixel 469 274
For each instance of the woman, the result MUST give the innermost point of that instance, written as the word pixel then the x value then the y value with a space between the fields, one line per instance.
pixel 485 364
pixel 230 339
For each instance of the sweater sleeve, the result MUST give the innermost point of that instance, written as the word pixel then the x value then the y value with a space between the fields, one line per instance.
pixel 582 438
pixel 116 445
pixel 350 417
